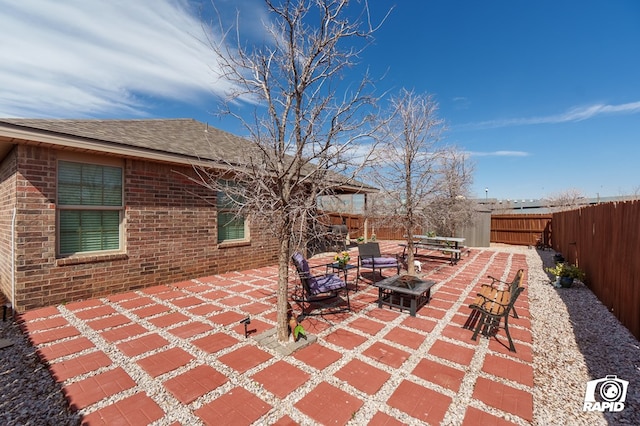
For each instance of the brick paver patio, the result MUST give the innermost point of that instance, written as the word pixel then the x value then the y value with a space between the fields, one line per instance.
pixel 150 351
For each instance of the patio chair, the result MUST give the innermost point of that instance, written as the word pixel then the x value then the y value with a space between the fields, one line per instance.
pixel 369 257
pixel 312 288
pixel 337 237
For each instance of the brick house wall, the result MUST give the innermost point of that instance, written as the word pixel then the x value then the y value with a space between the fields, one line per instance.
pixel 170 233
pixel 8 168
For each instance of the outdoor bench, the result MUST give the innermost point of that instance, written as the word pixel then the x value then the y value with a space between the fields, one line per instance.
pixel 492 304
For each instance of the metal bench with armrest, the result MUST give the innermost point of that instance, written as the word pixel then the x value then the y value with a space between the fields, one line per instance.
pixel 491 311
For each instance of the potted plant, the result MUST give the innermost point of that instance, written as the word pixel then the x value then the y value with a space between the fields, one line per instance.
pixel 342 258
pixel 565 274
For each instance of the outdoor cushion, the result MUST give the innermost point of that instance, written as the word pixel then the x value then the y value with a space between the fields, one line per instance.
pixel 301 263
pixel 378 261
pixel 325 283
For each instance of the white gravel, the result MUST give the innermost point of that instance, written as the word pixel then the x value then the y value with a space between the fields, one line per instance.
pixel 575 339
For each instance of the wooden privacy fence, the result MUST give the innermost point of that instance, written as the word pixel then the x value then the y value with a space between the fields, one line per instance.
pixel 356 225
pixel 521 229
pixel 603 240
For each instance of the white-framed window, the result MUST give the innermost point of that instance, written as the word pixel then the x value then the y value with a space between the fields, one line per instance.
pixel 231 225
pixel 90 207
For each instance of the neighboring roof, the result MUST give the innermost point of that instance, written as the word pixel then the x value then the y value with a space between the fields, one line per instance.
pixel 545 206
pixel 184 141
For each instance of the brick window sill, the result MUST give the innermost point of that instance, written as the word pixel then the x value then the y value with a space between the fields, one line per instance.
pixel 95 258
pixel 233 244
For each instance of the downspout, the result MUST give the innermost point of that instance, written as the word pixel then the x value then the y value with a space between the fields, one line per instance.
pixel 13 261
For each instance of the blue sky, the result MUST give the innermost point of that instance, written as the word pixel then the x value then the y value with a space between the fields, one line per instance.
pixel 544 95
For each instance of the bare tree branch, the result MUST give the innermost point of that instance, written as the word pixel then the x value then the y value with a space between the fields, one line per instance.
pixel 305 125
pixel 414 169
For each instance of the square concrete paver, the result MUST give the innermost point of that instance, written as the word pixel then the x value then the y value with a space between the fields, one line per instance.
pixel 410 339
pixel 94 312
pixel 165 361
pixel 440 374
pixel 108 322
pixel 122 333
pixel 191 329
pixel 187 302
pixel 452 352
pixel 367 326
pixel 281 378
pixel 95 388
pixel 424 325
pixel 169 320
pixel 383 419
pixel 49 323
pixel 346 338
pixel 81 364
pixel 420 402
pixel 142 344
pixel 317 356
pixel 214 342
pixel 504 397
pixel 245 358
pixel 236 407
pixel 474 417
pixel 49 336
pixel 387 354
pixel 327 404
pixel 191 385
pixel 226 318
pixel 509 369
pixel 363 376
pixel 138 409
pixel 151 310
pixel 64 348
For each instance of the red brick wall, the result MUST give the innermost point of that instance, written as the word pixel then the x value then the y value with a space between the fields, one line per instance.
pixel 8 168
pixel 170 235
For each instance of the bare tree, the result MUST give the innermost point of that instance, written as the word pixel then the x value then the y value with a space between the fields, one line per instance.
pixel 452 206
pixel 566 200
pixel 305 122
pixel 409 168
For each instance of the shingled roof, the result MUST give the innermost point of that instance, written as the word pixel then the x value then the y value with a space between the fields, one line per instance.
pixel 182 137
pixel 185 141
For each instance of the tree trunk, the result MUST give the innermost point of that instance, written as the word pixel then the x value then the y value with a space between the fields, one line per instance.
pixel 411 267
pixel 283 290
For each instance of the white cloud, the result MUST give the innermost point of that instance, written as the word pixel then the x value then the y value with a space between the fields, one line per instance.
pixel 84 58
pixel 572 115
pixel 461 102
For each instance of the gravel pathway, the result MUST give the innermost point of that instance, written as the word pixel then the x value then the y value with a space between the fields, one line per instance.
pixel 576 340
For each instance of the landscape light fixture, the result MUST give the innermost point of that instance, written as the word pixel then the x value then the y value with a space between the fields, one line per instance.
pixel 246 322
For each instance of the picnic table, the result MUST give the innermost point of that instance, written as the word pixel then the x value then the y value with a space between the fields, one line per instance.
pixel 452 246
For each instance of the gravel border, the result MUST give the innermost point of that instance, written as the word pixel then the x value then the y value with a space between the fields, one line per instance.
pixel 575 339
